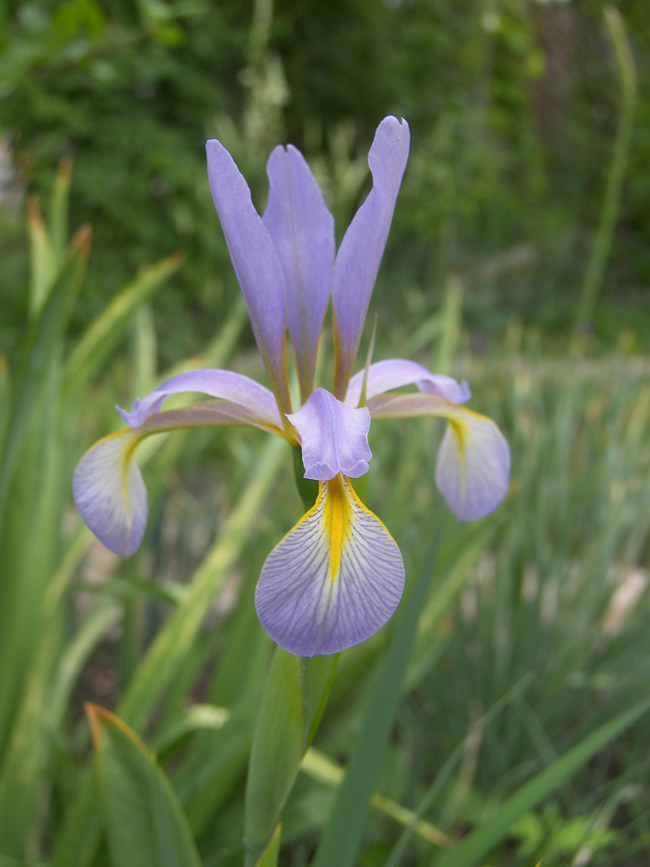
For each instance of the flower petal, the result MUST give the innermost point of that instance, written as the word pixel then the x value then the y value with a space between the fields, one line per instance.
pixel 359 256
pixel 473 466
pixel 110 494
pixel 221 384
pixel 334 580
pixel 302 229
pixel 255 261
pixel 107 484
pixel 334 437
pixel 396 372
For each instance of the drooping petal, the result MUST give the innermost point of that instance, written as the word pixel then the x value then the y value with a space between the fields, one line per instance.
pixel 397 372
pixel 110 494
pixel 473 465
pixel 222 384
pixel 255 261
pixel 334 437
pixel 107 484
pixel 302 229
pixel 334 580
pixel 359 256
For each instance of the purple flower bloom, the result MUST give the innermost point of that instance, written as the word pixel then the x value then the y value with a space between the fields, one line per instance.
pixel 337 576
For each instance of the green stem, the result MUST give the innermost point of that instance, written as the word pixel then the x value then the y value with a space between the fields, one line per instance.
pixel 294 700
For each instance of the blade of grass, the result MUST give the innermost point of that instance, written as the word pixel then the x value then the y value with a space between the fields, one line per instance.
pixel 42 342
pixel 493 830
pixel 109 328
pixel 59 206
pixel 42 259
pixel 396 856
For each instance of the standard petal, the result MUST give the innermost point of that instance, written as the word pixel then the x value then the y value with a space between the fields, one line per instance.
pixel 473 465
pixel 110 494
pixel 302 229
pixel 334 437
pixel 334 580
pixel 255 261
pixel 107 484
pixel 222 384
pixel 359 256
pixel 397 372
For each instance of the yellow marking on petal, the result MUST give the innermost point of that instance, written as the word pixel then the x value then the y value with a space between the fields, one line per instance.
pixel 128 450
pixel 459 428
pixel 127 456
pixel 337 520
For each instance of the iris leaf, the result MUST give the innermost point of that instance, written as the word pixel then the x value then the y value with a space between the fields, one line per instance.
pixel 143 819
pixel 109 328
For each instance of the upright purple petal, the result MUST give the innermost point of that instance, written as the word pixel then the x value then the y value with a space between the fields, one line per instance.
pixel 334 580
pixel 359 256
pixel 473 466
pixel 302 229
pixel 108 488
pixel 397 372
pixel 255 261
pixel 222 384
pixel 334 437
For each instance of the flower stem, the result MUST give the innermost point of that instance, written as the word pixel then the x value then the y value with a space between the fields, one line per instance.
pixel 294 700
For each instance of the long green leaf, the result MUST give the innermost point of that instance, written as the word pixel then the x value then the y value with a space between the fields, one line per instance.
pixel 144 822
pixel 42 259
pixel 109 328
pixel 42 342
pixel 494 829
pixel 59 206
pixel 291 708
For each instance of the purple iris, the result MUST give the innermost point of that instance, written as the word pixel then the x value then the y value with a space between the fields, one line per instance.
pixel 337 576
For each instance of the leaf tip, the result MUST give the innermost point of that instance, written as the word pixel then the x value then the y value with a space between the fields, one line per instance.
pixel 94 714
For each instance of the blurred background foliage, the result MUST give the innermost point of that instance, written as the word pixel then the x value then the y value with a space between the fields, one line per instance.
pixel 513 107
pixel 519 258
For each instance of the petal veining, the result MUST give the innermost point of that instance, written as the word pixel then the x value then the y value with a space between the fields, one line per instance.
pixel 362 248
pixel 110 494
pixel 397 372
pixel 302 229
pixel 222 384
pixel 334 580
pixel 254 259
pixel 334 437
pixel 108 488
pixel 473 464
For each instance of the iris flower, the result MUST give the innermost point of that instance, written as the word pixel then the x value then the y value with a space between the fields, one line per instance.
pixel 336 577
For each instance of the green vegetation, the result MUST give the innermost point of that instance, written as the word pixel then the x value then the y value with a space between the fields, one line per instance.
pixel 501 718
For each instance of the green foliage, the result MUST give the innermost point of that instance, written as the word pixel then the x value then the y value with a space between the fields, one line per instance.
pixel 293 703
pixel 513 108
pixel 143 818
pixel 501 717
